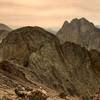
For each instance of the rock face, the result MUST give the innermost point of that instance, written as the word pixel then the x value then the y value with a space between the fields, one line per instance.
pixel 95 58
pixel 81 74
pixel 39 51
pixel 11 75
pixel 80 31
pixel 64 67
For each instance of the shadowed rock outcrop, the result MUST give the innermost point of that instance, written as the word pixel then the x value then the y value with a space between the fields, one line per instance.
pixel 80 69
pixel 40 52
pixel 95 59
pixel 11 75
pixel 22 42
pixel 82 32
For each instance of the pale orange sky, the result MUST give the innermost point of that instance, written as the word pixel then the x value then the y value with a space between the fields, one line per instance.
pixel 47 13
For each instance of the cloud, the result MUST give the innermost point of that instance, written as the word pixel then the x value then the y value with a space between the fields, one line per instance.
pixel 50 13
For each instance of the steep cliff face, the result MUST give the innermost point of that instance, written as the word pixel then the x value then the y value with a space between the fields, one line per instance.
pixel 80 71
pixel 80 31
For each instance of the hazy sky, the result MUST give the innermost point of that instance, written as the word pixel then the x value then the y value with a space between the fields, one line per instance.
pixel 47 13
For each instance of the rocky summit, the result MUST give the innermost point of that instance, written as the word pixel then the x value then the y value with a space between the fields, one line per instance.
pixel 82 32
pixel 39 52
pixel 34 64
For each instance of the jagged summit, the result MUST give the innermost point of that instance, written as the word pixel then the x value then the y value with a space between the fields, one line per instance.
pixel 81 22
pixel 4 30
pixel 74 20
pixel 80 31
pixel 78 19
pixel 66 22
pixel 83 19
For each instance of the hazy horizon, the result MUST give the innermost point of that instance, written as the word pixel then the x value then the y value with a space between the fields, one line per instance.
pixel 47 13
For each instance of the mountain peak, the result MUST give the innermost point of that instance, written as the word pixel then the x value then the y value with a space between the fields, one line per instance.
pixel 79 20
pixel 81 23
pixel 66 22
pixel 86 25
pixel 74 20
pixel 83 19
pixel 80 31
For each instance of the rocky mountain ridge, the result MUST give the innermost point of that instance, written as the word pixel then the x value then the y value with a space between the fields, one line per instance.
pixel 82 32
pixel 32 56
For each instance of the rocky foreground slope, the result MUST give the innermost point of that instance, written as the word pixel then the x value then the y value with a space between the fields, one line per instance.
pixel 82 32
pixel 31 54
pixel 14 76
